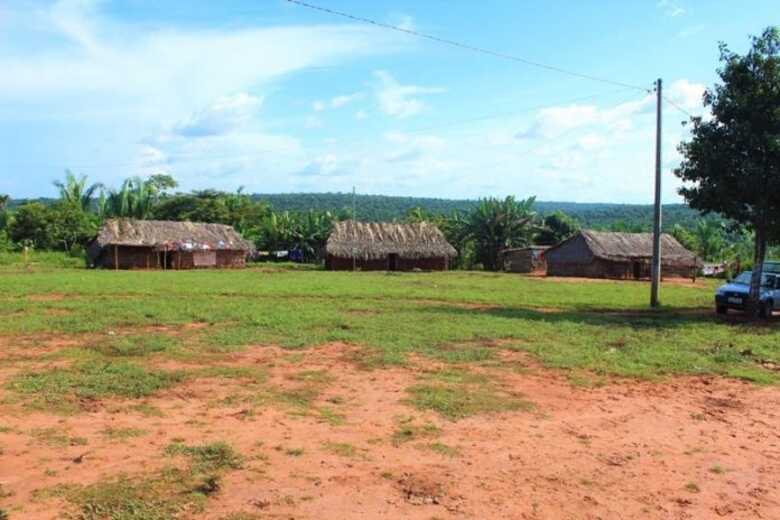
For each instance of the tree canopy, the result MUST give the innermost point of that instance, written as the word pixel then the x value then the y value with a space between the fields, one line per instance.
pixel 731 164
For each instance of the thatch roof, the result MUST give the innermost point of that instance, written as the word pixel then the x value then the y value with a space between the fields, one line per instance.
pixel 371 240
pixel 634 246
pixel 167 235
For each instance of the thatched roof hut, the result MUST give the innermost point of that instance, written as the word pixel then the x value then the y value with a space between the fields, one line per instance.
pixel 147 244
pixel 387 246
pixel 600 254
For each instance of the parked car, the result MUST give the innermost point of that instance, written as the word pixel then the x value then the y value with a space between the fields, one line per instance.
pixel 735 294
pixel 772 266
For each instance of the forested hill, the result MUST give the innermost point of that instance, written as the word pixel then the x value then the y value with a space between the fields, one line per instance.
pixel 383 207
pixel 629 217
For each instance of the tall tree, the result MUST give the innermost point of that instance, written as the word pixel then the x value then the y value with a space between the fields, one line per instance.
pixel 76 190
pixel 731 165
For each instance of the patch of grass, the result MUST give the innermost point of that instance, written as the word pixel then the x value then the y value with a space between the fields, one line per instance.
pixel 342 449
pixel 313 376
pixel 134 345
pixel 207 457
pixel 331 416
pixel 408 431
pixel 456 394
pixel 294 452
pixel 241 516
pixel 56 437
pixel 147 410
pixel 122 434
pixel 64 388
pixel 251 374
pixel 443 449
pixel 693 487
pixel 717 469
pixel 129 499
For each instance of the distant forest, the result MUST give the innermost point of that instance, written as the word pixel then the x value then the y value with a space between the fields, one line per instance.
pixel 629 217
pixel 632 217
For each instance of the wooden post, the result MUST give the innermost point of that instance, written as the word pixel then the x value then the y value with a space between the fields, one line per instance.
pixel 656 267
pixel 116 257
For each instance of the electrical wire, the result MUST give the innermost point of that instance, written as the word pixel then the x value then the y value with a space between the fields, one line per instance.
pixel 465 46
pixel 678 107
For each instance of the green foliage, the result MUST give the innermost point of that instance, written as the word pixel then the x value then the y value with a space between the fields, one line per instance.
pixel 497 224
pixel 60 226
pixel 731 165
pixel 75 192
pixel 556 227
pixel 136 198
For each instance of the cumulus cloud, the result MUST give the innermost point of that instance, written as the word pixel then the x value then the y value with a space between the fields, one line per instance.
pixel 225 115
pixel 397 100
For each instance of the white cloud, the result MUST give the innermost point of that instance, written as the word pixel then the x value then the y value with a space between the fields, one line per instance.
pixel 361 114
pixel 195 91
pixel 226 114
pixel 671 8
pixel 687 94
pixel 399 100
pixel 336 102
pixel 555 121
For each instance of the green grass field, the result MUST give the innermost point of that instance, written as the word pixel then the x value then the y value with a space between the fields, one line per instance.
pixel 597 329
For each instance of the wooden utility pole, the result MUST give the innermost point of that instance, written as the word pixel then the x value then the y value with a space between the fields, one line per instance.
pixel 354 231
pixel 656 267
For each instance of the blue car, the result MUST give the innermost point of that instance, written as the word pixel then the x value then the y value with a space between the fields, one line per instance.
pixel 735 294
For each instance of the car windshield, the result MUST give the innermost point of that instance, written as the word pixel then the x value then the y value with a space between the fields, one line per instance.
pixel 744 279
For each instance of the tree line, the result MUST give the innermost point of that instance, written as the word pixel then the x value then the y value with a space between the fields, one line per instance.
pixel 479 233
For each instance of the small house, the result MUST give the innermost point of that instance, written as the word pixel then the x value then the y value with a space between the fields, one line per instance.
pixel 156 244
pixel 523 259
pixel 382 246
pixel 597 254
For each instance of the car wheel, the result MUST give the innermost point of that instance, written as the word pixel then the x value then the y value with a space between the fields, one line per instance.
pixel 764 310
pixel 721 309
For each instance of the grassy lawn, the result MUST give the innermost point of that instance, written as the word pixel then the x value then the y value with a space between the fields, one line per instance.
pixel 604 328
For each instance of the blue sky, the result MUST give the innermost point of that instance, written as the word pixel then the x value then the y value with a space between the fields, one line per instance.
pixel 279 98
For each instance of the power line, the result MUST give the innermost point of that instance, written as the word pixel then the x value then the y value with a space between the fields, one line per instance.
pixel 465 46
pixel 678 107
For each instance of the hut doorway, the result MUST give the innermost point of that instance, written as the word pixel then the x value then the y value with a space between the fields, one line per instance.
pixel 392 262
pixel 637 270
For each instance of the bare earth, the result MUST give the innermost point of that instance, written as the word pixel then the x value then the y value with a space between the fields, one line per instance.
pixel 683 448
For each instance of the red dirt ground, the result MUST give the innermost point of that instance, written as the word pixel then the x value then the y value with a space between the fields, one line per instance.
pixel 691 447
